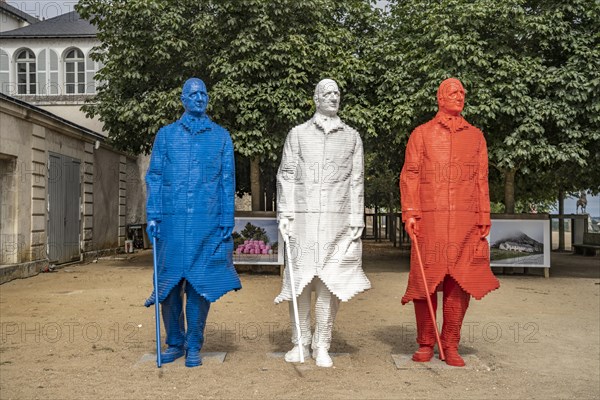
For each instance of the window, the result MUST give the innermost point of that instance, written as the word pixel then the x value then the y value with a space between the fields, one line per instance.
pixel 75 72
pixel 26 72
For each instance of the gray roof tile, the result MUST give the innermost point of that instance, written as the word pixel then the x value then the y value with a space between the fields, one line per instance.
pixel 66 25
pixel 17 13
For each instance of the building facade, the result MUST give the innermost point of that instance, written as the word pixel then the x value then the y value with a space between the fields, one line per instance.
pixel 65 194
pixel 12 18
pixel 49 64
pixel 63 191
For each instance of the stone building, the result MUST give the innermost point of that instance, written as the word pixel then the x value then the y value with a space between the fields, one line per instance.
pixel 65 194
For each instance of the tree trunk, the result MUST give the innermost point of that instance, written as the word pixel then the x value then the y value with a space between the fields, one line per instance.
pixel 509 191
pixel 561 221
pixel 255 186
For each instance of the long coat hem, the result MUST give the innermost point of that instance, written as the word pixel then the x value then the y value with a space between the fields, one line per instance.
pixel 210 297
pixel 286 293
pixel 434 288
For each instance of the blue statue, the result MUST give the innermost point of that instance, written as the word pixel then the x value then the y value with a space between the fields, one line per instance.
pixel 190 187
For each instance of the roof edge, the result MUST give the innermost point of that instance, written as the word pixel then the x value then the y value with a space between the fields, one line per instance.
pixel 18 13
pixel 95 135
pixel 67 35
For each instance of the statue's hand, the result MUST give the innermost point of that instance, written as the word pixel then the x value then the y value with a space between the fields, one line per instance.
pixel 152 229
pixel 227 232
pixel 356 232
pixel 284 227
pixel 484 230
pixel 410 226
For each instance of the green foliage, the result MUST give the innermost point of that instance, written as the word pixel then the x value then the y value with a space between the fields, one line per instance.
pixel 528 206
pixel 255 233
pixel 260 61
pixel 529 68
pixel 237 239
pixel 381 183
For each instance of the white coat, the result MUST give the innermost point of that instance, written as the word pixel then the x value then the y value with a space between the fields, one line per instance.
pixel 320 188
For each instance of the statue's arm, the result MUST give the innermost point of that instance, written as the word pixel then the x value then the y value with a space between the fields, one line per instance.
pixel 154 177
pixel 483 219
pixel 357 192
pixel 227 185
pixel 288 174
pixel 410 177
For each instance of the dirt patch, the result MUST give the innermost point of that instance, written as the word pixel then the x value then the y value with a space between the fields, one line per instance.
pixel 82 332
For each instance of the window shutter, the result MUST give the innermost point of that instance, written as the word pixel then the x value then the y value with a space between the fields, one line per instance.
pixel 41 73
pixel 4 73
pixel 90 71
pixel 53 83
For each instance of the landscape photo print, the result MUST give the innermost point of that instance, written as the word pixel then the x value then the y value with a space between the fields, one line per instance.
pixel 256 240
pixel 520 243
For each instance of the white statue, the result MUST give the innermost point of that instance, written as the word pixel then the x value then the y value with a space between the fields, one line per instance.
pixel 320 204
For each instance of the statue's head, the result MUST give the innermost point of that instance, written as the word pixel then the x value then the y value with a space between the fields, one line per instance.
pixel 327 97
pixel 194 97
pixel 451 96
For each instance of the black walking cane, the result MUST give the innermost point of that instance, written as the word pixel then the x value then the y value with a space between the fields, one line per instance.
pixel 156 304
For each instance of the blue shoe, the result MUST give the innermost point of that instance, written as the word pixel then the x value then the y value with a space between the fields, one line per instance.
pixel 171 354
pixel 193 358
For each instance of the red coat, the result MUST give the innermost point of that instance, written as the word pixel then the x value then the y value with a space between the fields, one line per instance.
pixel 444 186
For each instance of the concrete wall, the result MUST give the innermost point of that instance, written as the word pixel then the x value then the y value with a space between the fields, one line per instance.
pixel 106 200
pixel 8 210
pixel 26 176
pixel 136 189
pixel 591 238
pixel 26 138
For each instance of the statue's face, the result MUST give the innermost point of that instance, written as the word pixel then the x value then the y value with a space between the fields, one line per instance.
pixel 194 97
pixel 451 98
pixel 327 97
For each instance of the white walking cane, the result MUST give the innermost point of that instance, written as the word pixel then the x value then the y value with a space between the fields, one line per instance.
pixel 286 239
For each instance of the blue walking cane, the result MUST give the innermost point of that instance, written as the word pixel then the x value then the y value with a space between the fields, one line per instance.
pixel 156 304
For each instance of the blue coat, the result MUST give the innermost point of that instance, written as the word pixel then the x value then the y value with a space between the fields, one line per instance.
pixel 190 190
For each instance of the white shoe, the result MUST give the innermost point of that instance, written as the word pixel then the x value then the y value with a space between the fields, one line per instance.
pixel 293 355
pixel 321 355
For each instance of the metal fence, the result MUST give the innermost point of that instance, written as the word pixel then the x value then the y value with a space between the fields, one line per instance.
pixel 382 227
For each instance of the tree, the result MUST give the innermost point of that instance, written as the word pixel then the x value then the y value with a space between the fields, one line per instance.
pixel 260 61
pixel 529 68
pixel 255 233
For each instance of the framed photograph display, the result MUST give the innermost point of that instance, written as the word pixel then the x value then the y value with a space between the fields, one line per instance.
pixel 256 239
pixel 520 243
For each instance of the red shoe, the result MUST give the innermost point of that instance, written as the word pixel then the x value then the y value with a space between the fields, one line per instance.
pixel 453 358
pixel 424 354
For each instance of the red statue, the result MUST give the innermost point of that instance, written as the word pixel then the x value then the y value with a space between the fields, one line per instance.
pixel 445 203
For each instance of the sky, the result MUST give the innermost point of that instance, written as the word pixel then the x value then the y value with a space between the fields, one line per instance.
pixel 593 206
pixel 44 9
